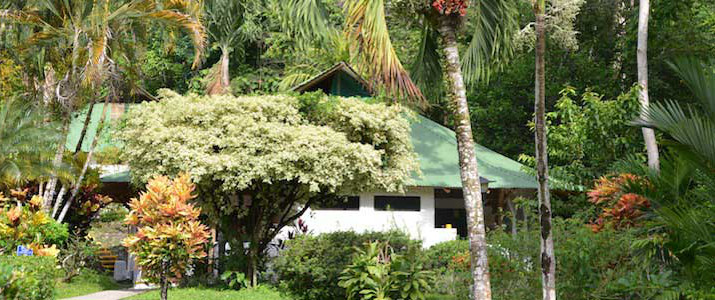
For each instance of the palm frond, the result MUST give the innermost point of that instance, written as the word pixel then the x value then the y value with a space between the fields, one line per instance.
pixel 293 79
pixel 306 20
pixel 366 27
pixel 699 77
pixel 192 26
pixel 495 24
pixel 98 48
pixel 687 126
pixel 20 17
pixel 426 70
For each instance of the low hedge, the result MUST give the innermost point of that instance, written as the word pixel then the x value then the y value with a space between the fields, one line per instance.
pixel 27 277
pixel 310 266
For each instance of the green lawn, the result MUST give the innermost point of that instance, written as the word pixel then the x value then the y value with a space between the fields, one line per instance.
pixel 259 293
pixel 89 281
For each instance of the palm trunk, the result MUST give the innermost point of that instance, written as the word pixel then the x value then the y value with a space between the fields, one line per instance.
pixel 225 78
pixel 221 82
pixel 548 261
pixel 642 53
pixel 78 184
pixel 58 202
pixel 467 163
pixel 51 185
pixel 84 127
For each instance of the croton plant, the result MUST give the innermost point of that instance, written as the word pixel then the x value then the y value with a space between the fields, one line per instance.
pixel 169 235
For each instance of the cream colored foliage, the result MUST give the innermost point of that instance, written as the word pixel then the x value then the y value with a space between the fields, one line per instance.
pixel 560 18
pixel 231 142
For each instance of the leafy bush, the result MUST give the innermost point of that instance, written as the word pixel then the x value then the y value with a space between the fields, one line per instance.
pixel 589 265
pixel 113 212
pixel 28 225
pixel 169 233
pixel 439 255
pixel 27 277
pixel 310 265
pixel 376 272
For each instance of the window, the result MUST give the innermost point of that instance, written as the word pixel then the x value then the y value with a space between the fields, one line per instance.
pixel 397 203
pixel 348 203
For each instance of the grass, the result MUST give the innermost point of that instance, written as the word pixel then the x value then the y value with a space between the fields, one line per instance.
pixel 89 281
pixel 258 293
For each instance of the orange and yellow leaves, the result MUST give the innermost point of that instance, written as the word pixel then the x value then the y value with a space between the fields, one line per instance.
pixel 168 226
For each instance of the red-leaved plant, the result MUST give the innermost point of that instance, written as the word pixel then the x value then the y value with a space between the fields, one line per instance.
pixel 169 233
pixel 620 208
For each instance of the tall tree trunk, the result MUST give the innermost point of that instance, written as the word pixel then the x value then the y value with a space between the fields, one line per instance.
pixel 467 163
pixel 58 201
pixel 51 185
pixel 87 119
pixel 642 53
pixel 548 261
pixel 78 184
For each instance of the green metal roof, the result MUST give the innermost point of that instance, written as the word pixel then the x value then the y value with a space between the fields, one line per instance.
pixel 436 148
pixel 75 129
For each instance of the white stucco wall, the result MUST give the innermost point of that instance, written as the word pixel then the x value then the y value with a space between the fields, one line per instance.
pixel 418 224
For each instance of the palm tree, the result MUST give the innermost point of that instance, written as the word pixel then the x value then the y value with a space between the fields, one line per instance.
pixel 84 40
pixel 682 190
pixel 548 259
pixel 642 61
pixel 25 144
pixel 227 25
pixel 495 24
pixel 692 129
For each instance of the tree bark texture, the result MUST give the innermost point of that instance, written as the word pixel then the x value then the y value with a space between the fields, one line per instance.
pixel 164 282
pixel 467 162
pixel 548 261
pixel 221 82
pixel 642 53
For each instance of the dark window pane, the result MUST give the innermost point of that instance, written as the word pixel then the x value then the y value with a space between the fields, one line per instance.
pixel 397 203
pixel 349 203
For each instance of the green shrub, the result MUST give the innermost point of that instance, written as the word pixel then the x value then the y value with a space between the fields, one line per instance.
pixel 310 266
pixel 113 212
pixel 439 255
pixel 588 265
pixel 27 277
pixel 376 272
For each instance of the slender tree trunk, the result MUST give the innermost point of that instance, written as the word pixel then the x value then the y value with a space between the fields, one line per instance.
pixel 467 163
pixel 514 219
pixel 84 127
pixel 58 201
pixel 164 282
pixel 51 185
pixel 78 184
pixel 642 53
pixel 548 261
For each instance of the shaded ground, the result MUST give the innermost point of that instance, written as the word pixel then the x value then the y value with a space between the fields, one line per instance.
pixel 110 234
